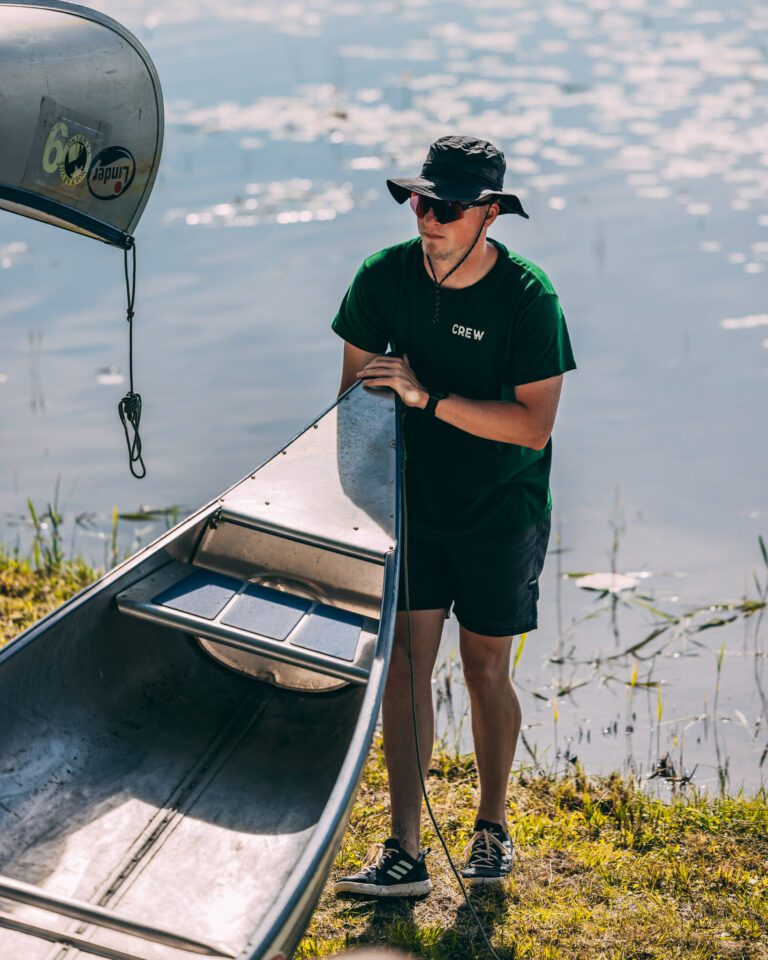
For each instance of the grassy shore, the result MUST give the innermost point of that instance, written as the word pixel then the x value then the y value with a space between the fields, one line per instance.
pixel 28 592
pixel 603 869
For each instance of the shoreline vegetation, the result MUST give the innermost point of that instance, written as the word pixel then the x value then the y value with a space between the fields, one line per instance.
pixel 29 591
pixel 603 869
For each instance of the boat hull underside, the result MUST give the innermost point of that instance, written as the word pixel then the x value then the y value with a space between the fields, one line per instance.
pixel 139 774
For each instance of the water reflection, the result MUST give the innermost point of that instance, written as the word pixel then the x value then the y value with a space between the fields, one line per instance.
pixel 36 394
pixel 635 131
pixel 10 253
pixel 281 201
pixel 675 106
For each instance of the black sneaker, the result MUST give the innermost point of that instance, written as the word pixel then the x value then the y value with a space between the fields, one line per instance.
pixel 489 854
pixel 388 871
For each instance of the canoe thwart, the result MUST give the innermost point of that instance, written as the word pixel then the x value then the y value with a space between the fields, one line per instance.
pixel 265 620
pixel 26 893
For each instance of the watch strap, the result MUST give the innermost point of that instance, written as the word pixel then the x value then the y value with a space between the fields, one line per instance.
pixel 434 399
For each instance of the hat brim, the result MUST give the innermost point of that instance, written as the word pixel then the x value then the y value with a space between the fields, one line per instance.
pixel 401 190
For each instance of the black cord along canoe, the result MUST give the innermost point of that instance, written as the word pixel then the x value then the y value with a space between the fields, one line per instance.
pixel 181 742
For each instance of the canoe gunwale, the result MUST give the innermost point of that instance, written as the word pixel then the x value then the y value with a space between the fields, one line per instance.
pixel 327 835
pixel 326 839
pixel 167 538
pixel 83 223
pixel 282 925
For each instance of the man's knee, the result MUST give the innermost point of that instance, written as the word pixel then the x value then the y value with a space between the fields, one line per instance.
pixel 485 660
pixel 485 665
pixel 486 674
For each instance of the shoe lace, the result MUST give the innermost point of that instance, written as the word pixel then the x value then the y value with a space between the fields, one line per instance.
pixel 377 856
pixel 373 859
pixel 484 849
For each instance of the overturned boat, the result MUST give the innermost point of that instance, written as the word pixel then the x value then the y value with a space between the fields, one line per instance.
pixel 180 743
pixel 81 120
pixel 81 116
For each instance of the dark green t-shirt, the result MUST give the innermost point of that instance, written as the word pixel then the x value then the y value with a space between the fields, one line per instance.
pixel 505 330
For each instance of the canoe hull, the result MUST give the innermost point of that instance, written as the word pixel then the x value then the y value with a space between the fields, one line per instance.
pixel 82 119
pixel 142 775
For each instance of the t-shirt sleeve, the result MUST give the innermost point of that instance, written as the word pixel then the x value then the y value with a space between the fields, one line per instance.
pixel 362 319
pixel 540 346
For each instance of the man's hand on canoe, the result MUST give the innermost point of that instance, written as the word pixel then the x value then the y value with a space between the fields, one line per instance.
pixel 395 373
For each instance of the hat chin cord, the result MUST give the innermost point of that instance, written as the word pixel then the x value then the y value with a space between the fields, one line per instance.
pixel 439 283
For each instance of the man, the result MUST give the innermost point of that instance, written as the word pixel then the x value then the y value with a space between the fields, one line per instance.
pixel 479 347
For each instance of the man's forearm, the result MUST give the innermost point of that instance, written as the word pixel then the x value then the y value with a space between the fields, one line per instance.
pixel 505 421
pixel 526 421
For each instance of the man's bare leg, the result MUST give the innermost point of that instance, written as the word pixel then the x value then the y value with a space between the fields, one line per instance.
pixel 399 749
pixel 496 717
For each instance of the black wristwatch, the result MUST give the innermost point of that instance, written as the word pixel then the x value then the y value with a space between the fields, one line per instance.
pixel 434 399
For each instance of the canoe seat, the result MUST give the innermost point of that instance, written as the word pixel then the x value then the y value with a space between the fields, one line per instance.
pixel 253 617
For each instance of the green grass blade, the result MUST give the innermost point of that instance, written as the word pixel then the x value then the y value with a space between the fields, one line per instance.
pixel 519 651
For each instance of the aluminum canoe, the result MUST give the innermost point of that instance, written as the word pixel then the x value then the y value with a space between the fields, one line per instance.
pixel 181 743
pixel 81 119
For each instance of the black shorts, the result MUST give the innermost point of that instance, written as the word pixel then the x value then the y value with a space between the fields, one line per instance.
pixel 492 583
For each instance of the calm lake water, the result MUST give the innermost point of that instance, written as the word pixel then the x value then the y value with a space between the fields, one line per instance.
pixel 637 134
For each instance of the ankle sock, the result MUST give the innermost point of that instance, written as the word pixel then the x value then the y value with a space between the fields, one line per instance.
pixel 492 827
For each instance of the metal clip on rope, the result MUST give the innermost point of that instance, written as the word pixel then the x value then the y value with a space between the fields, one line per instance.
pixel 129 407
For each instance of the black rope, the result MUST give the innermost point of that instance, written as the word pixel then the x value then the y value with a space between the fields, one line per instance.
pixel 439 283
pixel 407 598
pixel 129 407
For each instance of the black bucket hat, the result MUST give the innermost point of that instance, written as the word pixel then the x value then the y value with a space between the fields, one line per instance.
pixel 463 169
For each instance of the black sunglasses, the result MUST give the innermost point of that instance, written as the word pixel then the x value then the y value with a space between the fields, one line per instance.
pixel 445 211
